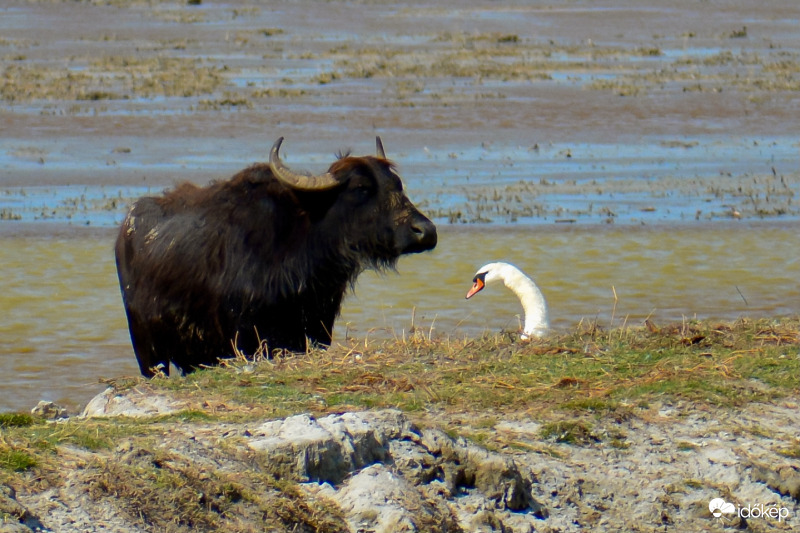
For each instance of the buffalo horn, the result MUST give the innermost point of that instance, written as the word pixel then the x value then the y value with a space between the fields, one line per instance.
pixel 379 144
pixel 293 179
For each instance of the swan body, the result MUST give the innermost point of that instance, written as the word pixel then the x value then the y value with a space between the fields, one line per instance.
pixel 532 299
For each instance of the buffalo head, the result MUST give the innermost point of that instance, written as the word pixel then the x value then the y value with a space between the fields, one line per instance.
pixel 369 199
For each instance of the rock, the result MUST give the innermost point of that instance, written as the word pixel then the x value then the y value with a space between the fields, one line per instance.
pixel 721 456
pixel 419 466
pixel 13 527
pixel 377 499
pixel 139 402
pixel 324 451
pixel 388 475
pixel 486 522
pixel 49 410
pixel 15 518
pixel 499 479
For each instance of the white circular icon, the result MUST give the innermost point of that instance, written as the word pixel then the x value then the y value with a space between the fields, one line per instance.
pixel 718 506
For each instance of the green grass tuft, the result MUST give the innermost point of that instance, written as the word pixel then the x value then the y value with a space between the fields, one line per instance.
pixel 8 420
pixel 16 460
pixel 569 432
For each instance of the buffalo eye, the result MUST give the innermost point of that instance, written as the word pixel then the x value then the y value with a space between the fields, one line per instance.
pixel 362 191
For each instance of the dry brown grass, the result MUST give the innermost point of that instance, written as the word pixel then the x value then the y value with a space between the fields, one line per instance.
pixel 698 361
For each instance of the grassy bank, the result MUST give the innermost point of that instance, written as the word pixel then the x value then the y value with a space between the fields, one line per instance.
pixel 589 370
pixel 570 385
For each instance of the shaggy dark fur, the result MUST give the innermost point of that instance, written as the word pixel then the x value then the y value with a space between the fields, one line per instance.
pixel 254 260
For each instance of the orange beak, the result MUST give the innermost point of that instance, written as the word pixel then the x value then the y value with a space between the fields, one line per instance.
pixel 477 286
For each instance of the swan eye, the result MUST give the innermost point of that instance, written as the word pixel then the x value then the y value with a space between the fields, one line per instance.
pixel 477 285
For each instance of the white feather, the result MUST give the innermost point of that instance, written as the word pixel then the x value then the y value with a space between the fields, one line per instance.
pixel 533 302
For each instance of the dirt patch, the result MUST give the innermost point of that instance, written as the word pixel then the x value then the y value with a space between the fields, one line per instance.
pixel 657 470
pixel 518 111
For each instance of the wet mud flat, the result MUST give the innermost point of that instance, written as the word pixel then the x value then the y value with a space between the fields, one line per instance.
pixel 553 184
pixel 529 111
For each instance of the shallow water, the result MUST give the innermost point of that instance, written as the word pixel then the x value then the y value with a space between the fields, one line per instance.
pixel 63 326
pixel 667 274
pixel 655 180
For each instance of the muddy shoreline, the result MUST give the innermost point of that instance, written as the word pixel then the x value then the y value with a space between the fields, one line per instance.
pixel 545 94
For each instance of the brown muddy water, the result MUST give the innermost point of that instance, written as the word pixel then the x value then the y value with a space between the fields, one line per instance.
pixel 66 327
pixel 639 158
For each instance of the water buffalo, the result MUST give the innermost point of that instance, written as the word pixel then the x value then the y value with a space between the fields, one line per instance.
pixel 263 257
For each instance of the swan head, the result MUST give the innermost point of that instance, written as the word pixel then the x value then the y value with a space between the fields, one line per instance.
pixel 487 274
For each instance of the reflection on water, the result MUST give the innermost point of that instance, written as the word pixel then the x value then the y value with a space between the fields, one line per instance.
pixel 62 325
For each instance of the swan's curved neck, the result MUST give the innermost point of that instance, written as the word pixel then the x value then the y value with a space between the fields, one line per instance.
pixel 532 299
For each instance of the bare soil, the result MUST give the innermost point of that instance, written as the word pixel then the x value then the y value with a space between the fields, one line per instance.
pixel 655 471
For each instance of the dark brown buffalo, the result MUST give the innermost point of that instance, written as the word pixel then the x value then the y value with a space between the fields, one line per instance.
pixel 265 256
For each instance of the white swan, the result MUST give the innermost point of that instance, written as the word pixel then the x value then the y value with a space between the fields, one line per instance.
pixel 532 299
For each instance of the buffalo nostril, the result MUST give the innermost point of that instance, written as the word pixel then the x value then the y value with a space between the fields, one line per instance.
pixel 426 232
pixel 423 229
pixel 419 234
